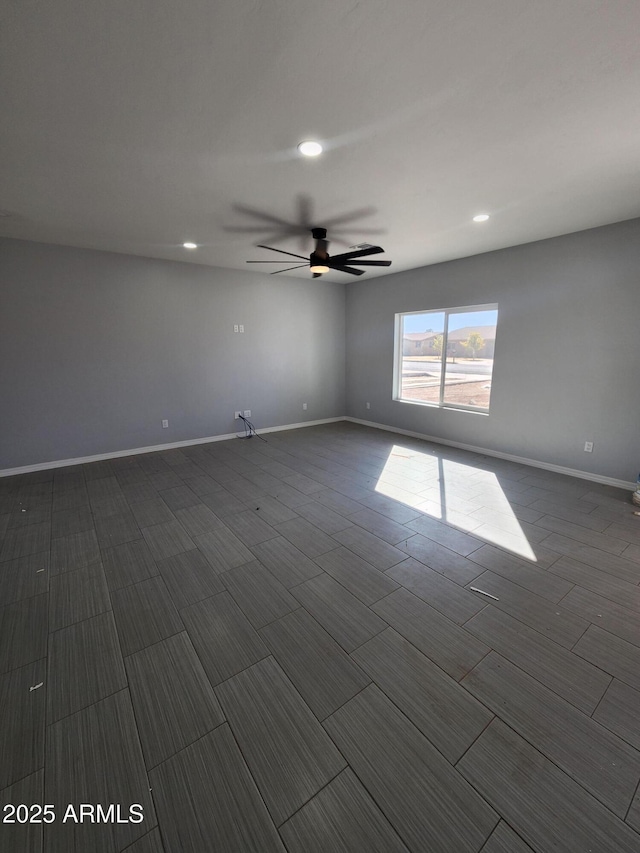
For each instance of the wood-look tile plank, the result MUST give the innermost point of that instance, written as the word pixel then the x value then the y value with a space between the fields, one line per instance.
pixel 340 613
pixel 151 512
pixel 303 484
pixel 576 513
pixel 371 548
pixel 205 795
pixel 128 563
pixel 201 484
pixel 428 803
pixel 22 541
pixel 504 840
pixel 94 756
pixel 77 595
pixel 615 618
pixel 285 562
pixel 342 816
pixel 149 843
pixel 527 575
pixel 613 588
pixel 441 559
pixel 558 622
pixel 603 541
pixel 323 517
pixel 223 637
pixel 165 540
pixel 619 711
pixel 436 704
pixel 117 529
pixel 145 614
pixel 68 521
pixel 250 528
pixel 598 759
pixel 179 497
pixel 539 800
pixel 319 668
pixel 85 665
pixel 70 499
pixel 355 574
pixel 74 551
pixel 104 487
pixel 259 595
pixel 136 493
pixel 172 697
pixel 223 549
pixel 380 525
pixel 611 654
pixel 271 510
pixel 577 681
pixel 20 837
pixel 162 480
pixel 198 519
pixel 108 506
pixel 222 503
pixel 189 578
pixel 306 537
pixel 451 647
pixel 23 632
pixel 24 577
pixel 23 722
pixel 607 562
pixel 288 752
pixel 446 596
pixel 388 507
pixel 456 540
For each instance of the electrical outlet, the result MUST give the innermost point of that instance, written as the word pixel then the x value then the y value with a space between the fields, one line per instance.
pixel 247 413
pixel 304 407
pixel 165 424
pixel 588 447
pixel 241 328
pixel 235 328
pixel 368 405
pixel 236 415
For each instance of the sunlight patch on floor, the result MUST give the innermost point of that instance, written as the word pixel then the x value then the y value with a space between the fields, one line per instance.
pixel 467 498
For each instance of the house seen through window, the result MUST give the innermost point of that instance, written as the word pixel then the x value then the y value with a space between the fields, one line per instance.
pixel 445 357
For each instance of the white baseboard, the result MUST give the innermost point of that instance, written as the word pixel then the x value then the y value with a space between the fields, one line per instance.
pixel 534 463
pixel 134 451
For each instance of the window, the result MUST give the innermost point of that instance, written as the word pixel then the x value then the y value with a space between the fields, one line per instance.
pixel 445 357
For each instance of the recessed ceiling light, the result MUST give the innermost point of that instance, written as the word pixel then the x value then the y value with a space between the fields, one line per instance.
pixel 481 217
pixel 310 148
pixel 190 245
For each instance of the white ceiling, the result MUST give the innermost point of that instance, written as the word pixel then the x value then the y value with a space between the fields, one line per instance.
pixel 134 125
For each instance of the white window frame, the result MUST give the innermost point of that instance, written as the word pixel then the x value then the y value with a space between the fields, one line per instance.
pixel 398 356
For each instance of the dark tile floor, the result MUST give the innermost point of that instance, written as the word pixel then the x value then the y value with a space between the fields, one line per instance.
pixel 340 639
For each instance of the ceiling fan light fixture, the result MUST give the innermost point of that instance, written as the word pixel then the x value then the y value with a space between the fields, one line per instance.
pixel 319 268
pixel 481 217
pixel 310 148
pixel 189 245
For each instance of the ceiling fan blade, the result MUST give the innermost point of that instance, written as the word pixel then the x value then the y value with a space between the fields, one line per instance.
pixel 317 275
pixel 372 263
pixel 289 268
pixel 341 268
pixel 265 262
pixel 282 252
pixel 358 253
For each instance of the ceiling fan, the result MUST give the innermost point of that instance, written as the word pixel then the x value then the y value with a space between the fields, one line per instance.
pixel 320 261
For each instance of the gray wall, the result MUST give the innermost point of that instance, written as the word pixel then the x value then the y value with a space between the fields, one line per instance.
pixel 97 348
pixel 567 357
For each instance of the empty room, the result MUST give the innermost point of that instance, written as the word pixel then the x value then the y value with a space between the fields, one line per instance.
pixel 320 427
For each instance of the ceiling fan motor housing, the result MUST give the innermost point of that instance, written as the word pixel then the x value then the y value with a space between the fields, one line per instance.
pixel 322 244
